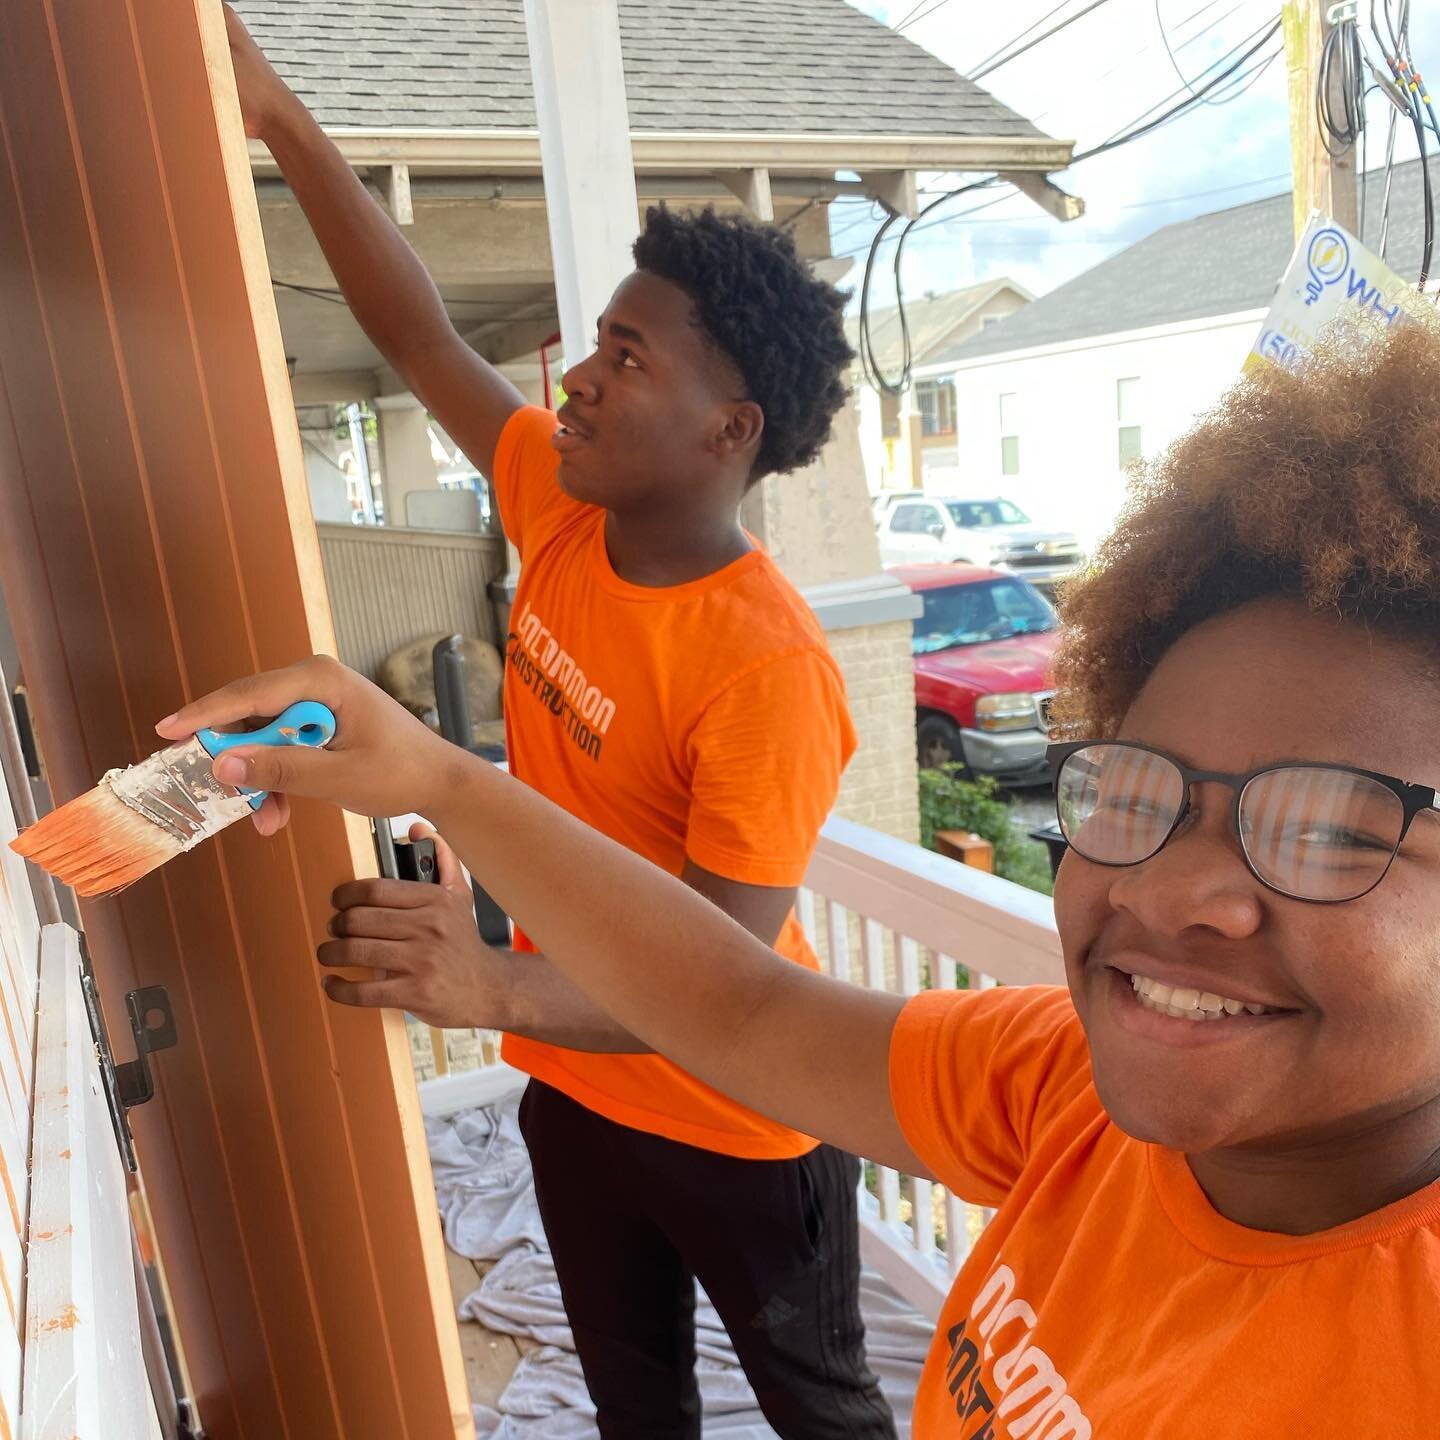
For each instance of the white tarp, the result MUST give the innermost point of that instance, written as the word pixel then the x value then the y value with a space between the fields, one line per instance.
pixel 487 1204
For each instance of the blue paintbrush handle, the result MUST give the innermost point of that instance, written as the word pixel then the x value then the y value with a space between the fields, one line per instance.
pixel 308 723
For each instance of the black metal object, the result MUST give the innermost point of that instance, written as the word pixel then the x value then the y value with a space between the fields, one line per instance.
pixel 28 749
pixel 385 848
pixel 452 698
pixel 1053 838
pixel 130 1083
pixel 405 859
pixel 452 703
pixel 416 860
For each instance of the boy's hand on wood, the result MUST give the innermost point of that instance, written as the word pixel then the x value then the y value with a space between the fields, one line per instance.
pixel 263 94
pixel 423 941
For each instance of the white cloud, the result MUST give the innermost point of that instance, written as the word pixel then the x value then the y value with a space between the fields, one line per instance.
pixel 1084 84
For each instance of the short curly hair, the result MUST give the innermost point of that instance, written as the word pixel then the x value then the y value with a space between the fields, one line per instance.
pixel 760 304
pixel 1321 484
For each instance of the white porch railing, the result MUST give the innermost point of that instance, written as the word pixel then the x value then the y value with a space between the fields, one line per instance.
pixel 891 916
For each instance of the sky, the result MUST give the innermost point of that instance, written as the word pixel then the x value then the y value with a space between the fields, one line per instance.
pixel 1084 84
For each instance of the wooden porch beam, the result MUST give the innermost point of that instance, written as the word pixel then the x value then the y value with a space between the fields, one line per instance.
pixel 894 189
pixel 752 189
pixel 1046 194
pixel 393 182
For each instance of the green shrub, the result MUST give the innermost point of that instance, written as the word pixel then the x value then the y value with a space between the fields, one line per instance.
pixel 949 801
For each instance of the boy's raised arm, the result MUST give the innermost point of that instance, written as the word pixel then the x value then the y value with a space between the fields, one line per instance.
pixel 389 290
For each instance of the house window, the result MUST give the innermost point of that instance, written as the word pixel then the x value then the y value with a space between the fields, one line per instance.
pixel 1127 413
pixel 1010 434
pixel 935 400
pixel 986 321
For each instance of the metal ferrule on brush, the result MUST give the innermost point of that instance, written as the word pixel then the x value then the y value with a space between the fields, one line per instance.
pixel 177 790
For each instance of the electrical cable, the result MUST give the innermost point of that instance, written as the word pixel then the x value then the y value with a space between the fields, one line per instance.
pixel 1409 96
pixel 911 13
pixel 1250 80
pixel 905 25
pixel 1136 131
pixel 1341 73
pixel 869 360
pixel 337 297
pixel 1029 30
pixel 1039 39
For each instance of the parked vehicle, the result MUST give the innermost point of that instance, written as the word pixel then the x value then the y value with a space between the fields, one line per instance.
pixel 982 654
pixel 917 527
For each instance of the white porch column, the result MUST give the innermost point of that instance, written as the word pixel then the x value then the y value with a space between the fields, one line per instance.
pixel 407 463
pixel 584 124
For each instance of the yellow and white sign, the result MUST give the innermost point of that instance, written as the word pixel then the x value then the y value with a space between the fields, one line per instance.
pixel 1331 275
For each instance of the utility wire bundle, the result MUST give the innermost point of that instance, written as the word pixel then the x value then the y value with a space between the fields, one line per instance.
pixel 1342 90
pixel 1194 94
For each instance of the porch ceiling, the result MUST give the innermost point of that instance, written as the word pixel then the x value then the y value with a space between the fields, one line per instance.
pixel 489 256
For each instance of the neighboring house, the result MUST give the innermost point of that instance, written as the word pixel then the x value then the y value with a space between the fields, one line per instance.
pixel 732 102
pixel 901 435
pixel 1052 404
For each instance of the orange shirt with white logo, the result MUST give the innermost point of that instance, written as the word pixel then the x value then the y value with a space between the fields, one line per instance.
pixel 704 721
pixel 1108 1298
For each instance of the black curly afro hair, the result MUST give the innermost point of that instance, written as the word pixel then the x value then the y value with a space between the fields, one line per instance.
pixel 757 301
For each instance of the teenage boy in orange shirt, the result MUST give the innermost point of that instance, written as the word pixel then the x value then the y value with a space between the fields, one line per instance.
pixel 667 685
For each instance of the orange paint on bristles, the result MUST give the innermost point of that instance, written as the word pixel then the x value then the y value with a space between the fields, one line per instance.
pixel 97 844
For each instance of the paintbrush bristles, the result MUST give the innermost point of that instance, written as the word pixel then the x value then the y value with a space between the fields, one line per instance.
pixel 97 844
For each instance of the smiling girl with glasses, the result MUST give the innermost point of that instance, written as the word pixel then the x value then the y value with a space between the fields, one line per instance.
pixel 1214 1155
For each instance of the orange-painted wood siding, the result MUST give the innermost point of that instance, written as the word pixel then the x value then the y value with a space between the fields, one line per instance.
pixel 155 541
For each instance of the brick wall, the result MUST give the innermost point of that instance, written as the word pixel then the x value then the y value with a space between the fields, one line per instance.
pixel 880 789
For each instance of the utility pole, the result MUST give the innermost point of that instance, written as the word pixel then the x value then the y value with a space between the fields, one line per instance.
pixel 1323 181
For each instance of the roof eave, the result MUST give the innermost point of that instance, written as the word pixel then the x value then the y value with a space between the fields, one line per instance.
pixel 456 152
pixel 933 369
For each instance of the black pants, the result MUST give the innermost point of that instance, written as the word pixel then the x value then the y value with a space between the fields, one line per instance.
pixel 634 1220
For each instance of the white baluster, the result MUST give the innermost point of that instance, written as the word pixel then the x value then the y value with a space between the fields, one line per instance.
pixel 837 919
pixel 872 947
pixel 945 980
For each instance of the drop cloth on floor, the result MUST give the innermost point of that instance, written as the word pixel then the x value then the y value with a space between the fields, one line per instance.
pixel 487 1204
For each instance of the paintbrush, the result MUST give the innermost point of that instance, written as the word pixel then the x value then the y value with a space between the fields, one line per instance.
pixel 135 820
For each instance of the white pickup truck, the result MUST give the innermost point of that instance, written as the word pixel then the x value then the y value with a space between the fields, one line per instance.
pixel 916 527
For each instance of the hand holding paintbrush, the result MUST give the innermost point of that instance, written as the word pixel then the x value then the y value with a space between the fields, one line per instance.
pixel 135 820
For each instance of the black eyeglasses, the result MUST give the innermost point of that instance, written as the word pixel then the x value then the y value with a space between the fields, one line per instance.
pixel 1323 833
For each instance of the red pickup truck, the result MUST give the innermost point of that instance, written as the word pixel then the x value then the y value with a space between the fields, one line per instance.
pixel 983 650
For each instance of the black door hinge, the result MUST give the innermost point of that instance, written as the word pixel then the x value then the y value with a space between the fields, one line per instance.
pixel 152 1024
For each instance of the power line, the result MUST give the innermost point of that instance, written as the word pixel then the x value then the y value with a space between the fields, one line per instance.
pixel 1029 29
pixel 909 14
pixel 1134 131
pixel 1175 64
pixel 963 218
pixel 1039 39
pixel 905 25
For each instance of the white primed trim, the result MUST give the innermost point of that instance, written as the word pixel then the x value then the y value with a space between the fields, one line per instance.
pixel 84 1370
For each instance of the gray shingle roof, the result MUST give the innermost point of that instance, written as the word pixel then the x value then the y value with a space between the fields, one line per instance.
pixel 742 66
pixel 930 319
pixel 1216 264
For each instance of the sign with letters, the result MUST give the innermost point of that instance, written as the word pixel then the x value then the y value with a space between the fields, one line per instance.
pixel 1331 276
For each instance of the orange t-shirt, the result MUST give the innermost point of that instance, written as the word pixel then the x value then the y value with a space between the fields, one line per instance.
pixel 1108 1297
pixel 705 720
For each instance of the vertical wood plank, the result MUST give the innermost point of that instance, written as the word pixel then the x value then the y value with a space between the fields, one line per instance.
pixel 155 455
